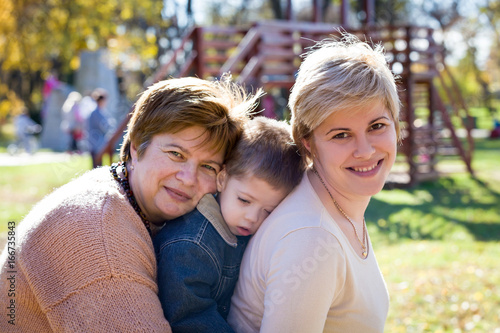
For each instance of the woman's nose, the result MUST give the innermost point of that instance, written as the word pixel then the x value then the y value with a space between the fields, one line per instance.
pixel 187 174
pixel 364 147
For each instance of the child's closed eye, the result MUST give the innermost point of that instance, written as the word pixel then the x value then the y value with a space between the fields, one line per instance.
pixel 243 200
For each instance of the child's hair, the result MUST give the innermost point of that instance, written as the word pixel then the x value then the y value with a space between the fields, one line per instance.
pixel 266 151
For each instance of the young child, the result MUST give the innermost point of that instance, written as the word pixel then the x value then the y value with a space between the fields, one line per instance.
pixel 199 254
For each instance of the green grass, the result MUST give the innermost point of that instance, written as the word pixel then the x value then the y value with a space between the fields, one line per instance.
pixel 437 243
pixel 453 207
pixel 438 247
pixel 442 286
pixel 23 186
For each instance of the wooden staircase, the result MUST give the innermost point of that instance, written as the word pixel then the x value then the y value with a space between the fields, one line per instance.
pixel 267 54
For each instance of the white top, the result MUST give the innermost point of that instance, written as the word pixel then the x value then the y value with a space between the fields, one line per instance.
pixel 300 274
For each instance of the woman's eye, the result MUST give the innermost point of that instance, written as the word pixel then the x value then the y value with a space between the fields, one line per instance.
pixel 175 154
pixel 342 135
pixel 378 126
pixel 210 168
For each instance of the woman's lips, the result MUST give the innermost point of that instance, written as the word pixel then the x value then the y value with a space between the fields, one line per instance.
pixel 367 170
pixel 177 194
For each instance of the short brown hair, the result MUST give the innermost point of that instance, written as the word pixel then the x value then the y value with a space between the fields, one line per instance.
pixel 169 106
pixel 337 75
pixel 266 151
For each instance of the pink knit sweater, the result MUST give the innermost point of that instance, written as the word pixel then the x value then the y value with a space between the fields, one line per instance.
pixel 84 262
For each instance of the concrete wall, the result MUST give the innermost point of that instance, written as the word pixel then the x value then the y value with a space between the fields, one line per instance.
pixel 95 72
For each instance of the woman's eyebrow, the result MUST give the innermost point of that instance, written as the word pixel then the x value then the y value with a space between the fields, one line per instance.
pixel 337 129
pixel 173 144
pixel 378 118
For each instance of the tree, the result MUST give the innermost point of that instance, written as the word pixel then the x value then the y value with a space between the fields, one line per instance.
pixel 39 35
pixel 462 24
pixel 491 10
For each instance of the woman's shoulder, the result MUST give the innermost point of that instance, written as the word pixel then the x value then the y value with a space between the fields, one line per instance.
pixel 91 214
pixel 85 231
pixel 301 215
pixel 79 203
pixel 301 208
pixel 302 196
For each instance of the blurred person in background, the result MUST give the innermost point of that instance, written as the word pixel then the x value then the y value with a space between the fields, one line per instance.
pixel 98 125
pixel 26 128
pixel 73 122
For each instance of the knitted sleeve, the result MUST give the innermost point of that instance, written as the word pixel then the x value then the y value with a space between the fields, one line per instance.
pixel 91 266
pixel 113 304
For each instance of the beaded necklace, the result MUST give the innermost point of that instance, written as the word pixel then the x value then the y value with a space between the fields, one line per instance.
pixel 128 191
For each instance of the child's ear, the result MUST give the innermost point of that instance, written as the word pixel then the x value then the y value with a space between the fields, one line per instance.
pixel 221 179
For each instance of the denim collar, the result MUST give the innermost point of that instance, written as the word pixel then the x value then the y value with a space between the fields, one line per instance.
pixel 209 207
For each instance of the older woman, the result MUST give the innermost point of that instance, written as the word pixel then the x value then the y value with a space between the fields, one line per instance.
pixel 311 266
pixel 84 260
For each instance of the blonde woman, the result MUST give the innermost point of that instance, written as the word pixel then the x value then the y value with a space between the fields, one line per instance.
pixel 311 266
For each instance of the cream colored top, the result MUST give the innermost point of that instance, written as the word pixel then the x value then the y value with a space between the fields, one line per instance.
pixel 84 262
pixel 300 274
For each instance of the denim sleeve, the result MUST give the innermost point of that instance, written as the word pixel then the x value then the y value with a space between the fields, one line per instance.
pixel 186 275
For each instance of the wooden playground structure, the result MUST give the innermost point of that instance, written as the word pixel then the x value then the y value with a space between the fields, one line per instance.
pixel 267 54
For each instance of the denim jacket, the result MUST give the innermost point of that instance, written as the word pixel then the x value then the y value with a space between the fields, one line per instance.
pixel 198 266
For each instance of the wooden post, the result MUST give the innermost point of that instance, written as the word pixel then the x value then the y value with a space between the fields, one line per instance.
pixel 344 15
pixel 317 9
pixel 198 46
pixel 289 11
pixel 370 12
pixel 410 116
pixel 431 102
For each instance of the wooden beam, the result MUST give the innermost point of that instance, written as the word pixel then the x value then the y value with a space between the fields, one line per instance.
pixel 247 44
pixel 344 14
pixel 199 48
pixel 289 11
pixel 162 72
pixel 317 15
pixel 370 12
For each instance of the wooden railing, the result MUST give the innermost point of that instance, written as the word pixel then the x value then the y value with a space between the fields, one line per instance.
pixel 268 54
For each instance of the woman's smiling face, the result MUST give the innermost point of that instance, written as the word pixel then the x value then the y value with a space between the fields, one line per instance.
pixel 354 150
pixel 175 171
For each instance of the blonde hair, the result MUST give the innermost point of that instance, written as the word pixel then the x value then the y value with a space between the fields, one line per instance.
pixel 266 151
pixel 220 107
pixel 338 75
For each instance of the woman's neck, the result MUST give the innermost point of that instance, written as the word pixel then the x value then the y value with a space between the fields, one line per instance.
pixel 353 206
